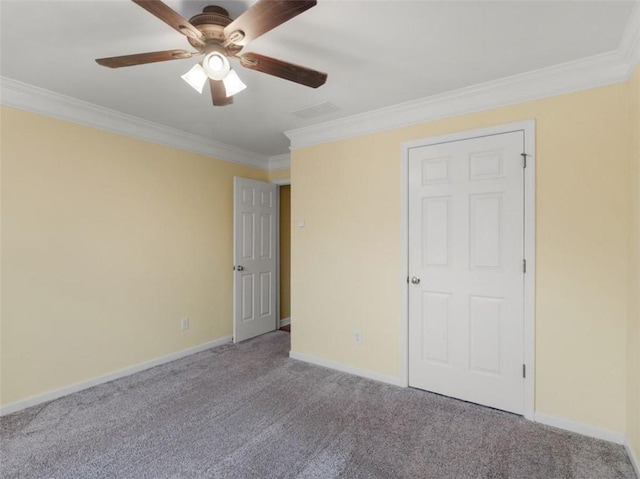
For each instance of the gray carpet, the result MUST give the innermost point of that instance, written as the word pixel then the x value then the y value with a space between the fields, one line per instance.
pixel 248 411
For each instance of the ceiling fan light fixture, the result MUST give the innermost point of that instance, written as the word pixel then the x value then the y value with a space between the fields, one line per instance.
pixel 233 84
pixel 216 66
pixel 196 77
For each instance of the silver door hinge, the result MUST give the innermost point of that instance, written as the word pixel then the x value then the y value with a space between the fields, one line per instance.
pixel 524 265
pixel 524 159
pixel 524 370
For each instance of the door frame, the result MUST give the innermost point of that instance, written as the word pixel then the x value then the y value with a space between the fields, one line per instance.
pixel 281 182
pixel 528 127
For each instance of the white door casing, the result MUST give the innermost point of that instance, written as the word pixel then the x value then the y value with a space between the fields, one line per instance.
pixel 466 246
pixel 255 267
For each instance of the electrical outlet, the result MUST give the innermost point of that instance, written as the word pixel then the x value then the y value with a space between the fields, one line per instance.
pixel 184 323
pixel 357 338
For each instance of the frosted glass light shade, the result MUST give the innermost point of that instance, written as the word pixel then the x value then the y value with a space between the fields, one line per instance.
pixel 233 84
pixel 196 77
pixel 216 65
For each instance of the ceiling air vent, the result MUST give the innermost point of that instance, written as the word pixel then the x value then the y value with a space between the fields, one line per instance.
pixel 313 111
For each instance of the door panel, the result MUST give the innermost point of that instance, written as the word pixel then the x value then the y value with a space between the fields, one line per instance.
pixel 255 290
pixel 437 248
pixel 247 280
pixel 247 235
pixel 485 230
pixel 435 327
pixel 466 220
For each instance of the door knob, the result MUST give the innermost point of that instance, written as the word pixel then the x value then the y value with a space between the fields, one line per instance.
pixel 415 280
pixel 240 267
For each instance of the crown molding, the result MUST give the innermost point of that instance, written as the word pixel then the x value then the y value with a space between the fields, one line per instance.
pixel 27 97
pixel 599 70
pixel 280 162
pixel 630 42
pixel 591 72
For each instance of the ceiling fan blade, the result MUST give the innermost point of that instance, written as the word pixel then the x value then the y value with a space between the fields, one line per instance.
pixel 142 58
pixel 171 18
pixel 263 16
pixel 219 93
pixel 288 71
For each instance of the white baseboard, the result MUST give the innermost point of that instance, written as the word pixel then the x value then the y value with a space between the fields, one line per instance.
pixel 396 381
pixel 580 428
pixel 285 322
pixel 65 391
pixel 634 459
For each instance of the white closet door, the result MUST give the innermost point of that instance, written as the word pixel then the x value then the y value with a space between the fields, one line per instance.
pixel 466 221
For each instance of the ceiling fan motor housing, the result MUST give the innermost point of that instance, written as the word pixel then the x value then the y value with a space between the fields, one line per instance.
pixel 211 23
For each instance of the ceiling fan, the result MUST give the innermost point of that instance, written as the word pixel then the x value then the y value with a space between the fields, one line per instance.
pixel 217 36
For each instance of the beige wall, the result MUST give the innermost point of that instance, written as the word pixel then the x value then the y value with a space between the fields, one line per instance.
pixel 107 242
pixel 633 338
pixel 276 175
pixel 349 253
pixel 285 252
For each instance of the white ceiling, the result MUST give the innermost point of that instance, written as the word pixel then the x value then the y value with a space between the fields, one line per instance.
pixel 377 54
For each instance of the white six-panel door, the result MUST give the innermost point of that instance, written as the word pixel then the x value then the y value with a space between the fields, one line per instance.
pixel 466 317
pixel 254 287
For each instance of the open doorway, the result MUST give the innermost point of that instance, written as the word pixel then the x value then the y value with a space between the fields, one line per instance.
pixel 285 258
